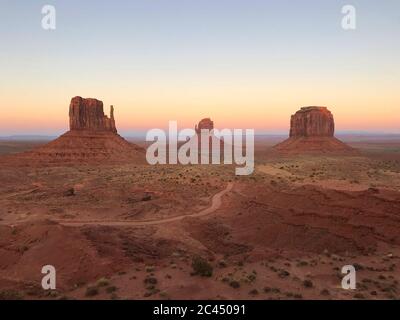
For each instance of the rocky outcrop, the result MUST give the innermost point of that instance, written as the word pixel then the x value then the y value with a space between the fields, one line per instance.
pixel 205 124
pixel 92 138
pixel 312 122
pixel 88 114
pixel 213 141
pixel 312 130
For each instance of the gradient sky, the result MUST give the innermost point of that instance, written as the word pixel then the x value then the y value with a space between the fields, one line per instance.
pixel 245 64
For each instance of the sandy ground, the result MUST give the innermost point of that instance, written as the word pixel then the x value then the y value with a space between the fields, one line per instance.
pixel 136 231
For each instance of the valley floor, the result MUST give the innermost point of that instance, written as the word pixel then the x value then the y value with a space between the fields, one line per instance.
pixel 200 232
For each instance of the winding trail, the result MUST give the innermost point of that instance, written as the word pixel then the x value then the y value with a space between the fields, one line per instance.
pixel 215 205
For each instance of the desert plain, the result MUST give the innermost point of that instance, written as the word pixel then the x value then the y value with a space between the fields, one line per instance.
pixel 136 231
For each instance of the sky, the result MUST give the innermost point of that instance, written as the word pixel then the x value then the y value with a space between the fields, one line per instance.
pixel 244 63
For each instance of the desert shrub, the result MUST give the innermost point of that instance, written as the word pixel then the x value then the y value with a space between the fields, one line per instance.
pixel 23 248
pixel 308 283
pixel 283 274
pixel 103 282
pixel 147 197
pixel 150 280
pixel 10 295
pixel 111 289
pixel 302 264
pixel 251 277
pixel 253 292
pixel 234 284
pixel 201 267
pixel 222 264
pixel 325 292
pixel 70 192
pixel 91 291
pixel 149 269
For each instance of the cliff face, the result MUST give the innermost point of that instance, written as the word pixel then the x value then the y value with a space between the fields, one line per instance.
pixel 312 122
pixel 88 114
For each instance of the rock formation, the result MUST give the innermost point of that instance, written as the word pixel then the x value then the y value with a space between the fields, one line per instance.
pixel 312 130
pixel 213 140
pixel 205 124
pixel 312 122
pixel 92 137
pixel 87 114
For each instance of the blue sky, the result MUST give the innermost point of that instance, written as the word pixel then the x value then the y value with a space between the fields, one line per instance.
pixel 141 55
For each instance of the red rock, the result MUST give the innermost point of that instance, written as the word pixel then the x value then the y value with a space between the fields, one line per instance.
pixel 92 137
pixel 88 114
pixel 208 124
pixel 312 130
pixel 205 124
pixel 312 122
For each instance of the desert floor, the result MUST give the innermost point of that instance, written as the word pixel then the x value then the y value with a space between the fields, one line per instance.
pixel 157 232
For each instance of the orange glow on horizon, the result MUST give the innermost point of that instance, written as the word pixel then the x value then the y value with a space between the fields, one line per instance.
pixel 230 107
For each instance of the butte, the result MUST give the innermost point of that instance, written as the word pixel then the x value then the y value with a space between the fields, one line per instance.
pixel 312 131
pixel 92 138
pixel 208 125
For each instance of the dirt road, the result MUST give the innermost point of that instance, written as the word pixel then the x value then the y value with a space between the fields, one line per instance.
pixel 215 205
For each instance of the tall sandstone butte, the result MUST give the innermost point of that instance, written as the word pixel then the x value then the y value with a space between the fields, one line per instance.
pixel 214 143
pixel 312 130
pixel 88 114
pixel 92 137
pixel 312 122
